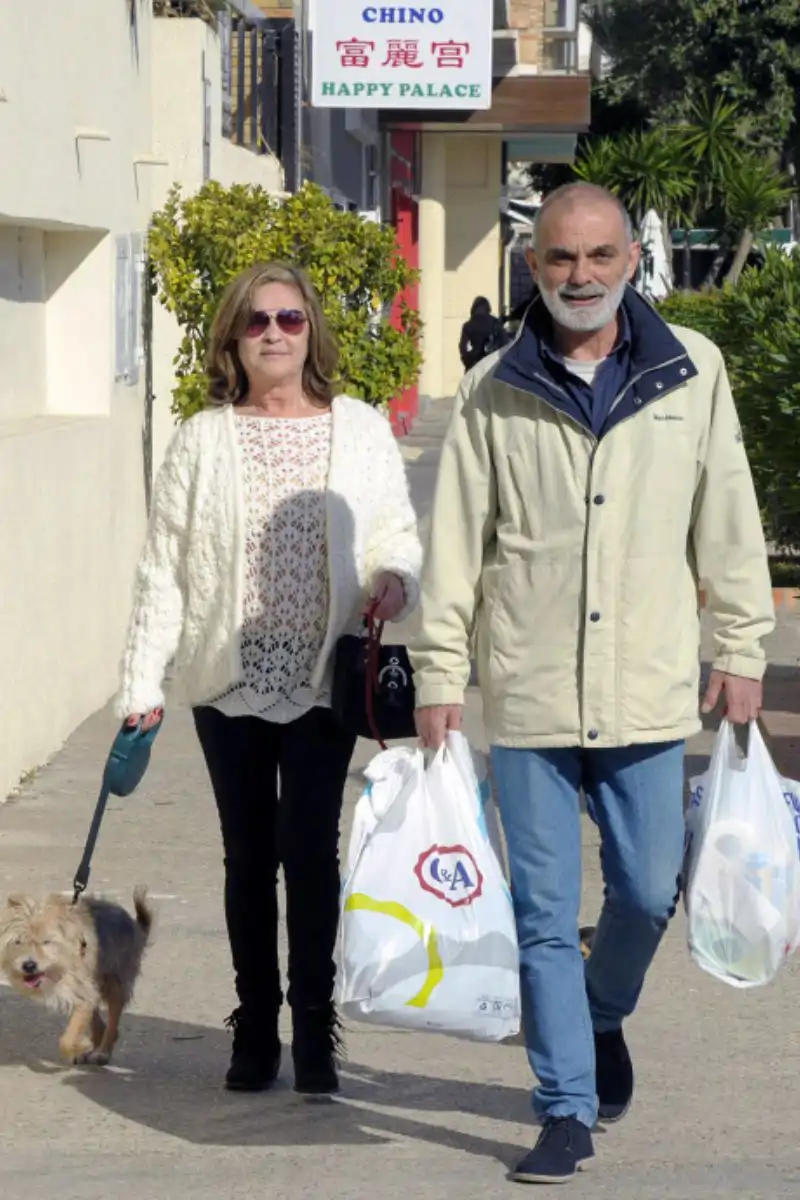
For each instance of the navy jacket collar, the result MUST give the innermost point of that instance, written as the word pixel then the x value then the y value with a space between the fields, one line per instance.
pixel 659 363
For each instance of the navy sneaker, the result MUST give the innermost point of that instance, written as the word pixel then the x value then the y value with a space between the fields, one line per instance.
pixel 563 1148
pixel 614 1076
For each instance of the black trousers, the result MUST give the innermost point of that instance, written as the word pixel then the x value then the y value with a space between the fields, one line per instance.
pixel 279 792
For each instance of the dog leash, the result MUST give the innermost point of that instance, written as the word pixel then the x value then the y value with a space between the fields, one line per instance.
pixel 125 766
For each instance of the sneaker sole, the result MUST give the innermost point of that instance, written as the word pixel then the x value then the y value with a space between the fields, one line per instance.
pixel 605 1120
pixel 519 1178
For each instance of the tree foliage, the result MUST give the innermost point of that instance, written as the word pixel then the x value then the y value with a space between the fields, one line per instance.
pixel 667 54
pixel 756 324
pixel 646 170
pixel 701 168
pixel 199 243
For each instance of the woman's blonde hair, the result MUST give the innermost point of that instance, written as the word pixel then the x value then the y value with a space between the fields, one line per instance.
pixel 227 380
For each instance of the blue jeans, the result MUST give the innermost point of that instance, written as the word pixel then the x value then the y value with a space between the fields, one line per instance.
pixel 635 796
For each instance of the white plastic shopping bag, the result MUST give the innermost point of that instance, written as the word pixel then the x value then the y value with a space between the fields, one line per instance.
pixel 742 879
pixel 427 937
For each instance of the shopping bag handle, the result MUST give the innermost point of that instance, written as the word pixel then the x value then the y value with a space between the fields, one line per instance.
pixel 742 733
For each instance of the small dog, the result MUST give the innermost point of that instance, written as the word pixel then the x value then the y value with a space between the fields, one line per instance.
pixel 74 957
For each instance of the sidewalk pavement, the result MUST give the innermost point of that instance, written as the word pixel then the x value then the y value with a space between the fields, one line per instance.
pixel 718 1070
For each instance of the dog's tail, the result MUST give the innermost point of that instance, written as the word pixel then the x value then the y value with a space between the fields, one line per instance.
pixel 144 912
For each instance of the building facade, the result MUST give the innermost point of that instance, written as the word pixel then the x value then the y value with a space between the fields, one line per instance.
pixel 90 143
pixel 460 166
pixel 440 175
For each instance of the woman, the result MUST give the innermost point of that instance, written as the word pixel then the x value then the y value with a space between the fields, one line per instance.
pixel 482 334
pixel 279 513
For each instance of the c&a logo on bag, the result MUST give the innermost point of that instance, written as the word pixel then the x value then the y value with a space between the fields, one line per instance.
pixel 451 873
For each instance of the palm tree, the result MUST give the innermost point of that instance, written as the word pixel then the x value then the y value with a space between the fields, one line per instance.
pixel 711 138
pixel 599 163
pixel 647 170
pixel 754 193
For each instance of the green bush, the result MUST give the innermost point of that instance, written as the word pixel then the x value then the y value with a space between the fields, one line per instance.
pixel 696 310
pixel 756 324
pixel 198 244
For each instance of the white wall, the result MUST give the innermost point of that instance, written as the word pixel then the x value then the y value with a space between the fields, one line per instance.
pixel 472 256
pixel 184 53
pixel 459 247
pixel 70 450
pixel 79 144
pixel 69 70
pixel 78 281
pixel 22 321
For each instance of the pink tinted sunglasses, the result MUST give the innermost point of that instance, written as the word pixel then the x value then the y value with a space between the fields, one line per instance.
pixel 288 320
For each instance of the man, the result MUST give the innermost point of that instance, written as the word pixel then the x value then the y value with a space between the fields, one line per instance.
pixel 592 480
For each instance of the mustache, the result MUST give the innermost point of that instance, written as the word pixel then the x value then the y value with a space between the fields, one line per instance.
pixel 588 291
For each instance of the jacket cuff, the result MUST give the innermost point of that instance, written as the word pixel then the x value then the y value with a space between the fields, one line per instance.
pixel 408 577
pixel 130 700
pixel 437 692
pixel 746 666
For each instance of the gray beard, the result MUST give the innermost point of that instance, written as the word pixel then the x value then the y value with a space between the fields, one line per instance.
pixel 585 320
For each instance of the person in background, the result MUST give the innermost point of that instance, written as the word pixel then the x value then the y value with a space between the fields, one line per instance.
pixel 280 512
pixel 481 335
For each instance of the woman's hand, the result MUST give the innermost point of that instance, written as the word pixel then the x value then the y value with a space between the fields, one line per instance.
pixel 154 717
pixel 388 595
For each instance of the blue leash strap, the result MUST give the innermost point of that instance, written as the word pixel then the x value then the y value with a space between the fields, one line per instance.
pixel 81 880
pixel 126 764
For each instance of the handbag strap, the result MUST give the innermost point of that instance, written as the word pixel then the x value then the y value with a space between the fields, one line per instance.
pixel 372 673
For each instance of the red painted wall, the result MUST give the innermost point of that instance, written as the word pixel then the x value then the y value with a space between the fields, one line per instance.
pixel 405 218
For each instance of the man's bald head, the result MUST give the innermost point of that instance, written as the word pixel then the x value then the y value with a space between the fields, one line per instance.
pixel 583 256
pixel 579 194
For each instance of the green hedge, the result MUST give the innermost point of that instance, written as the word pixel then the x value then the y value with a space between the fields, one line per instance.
pixel 756 324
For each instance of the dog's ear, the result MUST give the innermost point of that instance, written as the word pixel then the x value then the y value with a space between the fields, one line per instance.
pixel 57 900
pixel 20 903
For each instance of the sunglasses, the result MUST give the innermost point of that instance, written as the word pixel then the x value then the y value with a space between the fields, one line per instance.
pixel 288 320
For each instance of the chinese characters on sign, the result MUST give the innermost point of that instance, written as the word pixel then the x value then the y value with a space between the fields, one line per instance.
pixel 402 57
pixel 403 54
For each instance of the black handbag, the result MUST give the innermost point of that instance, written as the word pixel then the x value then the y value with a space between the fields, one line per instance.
pixel 373 686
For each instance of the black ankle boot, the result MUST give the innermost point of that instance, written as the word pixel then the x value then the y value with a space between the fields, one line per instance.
pixel 256 1057
pixel 316 1046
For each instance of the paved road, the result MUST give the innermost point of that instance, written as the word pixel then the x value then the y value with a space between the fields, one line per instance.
pixel 719 1071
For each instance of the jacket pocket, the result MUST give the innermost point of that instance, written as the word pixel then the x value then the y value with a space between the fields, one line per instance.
pixel 659 644
pixel 528 646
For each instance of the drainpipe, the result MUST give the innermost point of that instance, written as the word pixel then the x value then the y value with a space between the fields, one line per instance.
pixel 149 394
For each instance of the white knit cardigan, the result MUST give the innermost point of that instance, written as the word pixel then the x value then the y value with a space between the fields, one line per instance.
pixel 189 587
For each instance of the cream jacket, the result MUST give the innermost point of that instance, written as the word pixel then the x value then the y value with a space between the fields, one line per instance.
pixel 189 589
pixel 572 566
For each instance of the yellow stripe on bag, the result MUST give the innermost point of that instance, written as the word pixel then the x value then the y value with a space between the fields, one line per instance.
pixel 358 902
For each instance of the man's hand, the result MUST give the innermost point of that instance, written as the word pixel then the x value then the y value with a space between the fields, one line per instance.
pixel 434 723
pixel 743 697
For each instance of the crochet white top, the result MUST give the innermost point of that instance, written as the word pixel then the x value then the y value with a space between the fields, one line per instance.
pixel 190 582
pixel 285 464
